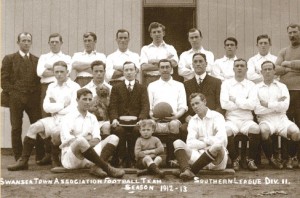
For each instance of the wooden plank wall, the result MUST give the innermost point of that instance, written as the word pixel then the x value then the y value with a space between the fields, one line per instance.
pixel 217 19
pixel 71 18
pixel 245 20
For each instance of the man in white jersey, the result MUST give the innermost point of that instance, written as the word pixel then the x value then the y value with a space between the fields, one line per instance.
pixel 263 43
pixel 115 61
pixel 272 102
pixel 185 68
pixel 238 100
pixel 60 99
pixel 81 61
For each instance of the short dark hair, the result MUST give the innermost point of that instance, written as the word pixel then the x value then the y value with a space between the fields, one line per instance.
pixel 194 30
pixel 293 25
pixel 164 61
pixel 265 62
pixel 154 25
pixel 25 33
pixel 263 36
pixel 53 35
pixel 231 39
pixel 60 63
pixel 199 54
pixel 83 92
pixel 146 122
pixel 87 34
pixel 194 95
pixel 129 62
pixel 122 31
pixel 239 59
pixel 97 63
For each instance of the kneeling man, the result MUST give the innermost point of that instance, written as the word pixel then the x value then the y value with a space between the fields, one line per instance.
pixel 206 142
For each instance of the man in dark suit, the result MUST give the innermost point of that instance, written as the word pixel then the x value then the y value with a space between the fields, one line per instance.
pixel 21 84
pixel 201 83
pixel 128 98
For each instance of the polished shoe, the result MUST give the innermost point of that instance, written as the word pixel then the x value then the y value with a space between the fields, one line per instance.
pixel 275 163
pixel 289 163
pixel 115 172
pixel 236 165
pixel 45 161
pixel 142 172
pixel 97 171
pixel 22 164
pixel 187 175
pixel 251 165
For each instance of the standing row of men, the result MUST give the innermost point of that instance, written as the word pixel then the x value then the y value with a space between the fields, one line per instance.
pixel 22 88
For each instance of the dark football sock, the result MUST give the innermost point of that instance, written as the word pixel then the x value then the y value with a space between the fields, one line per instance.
pixel 267 146
pixel 202 161
pixel 231 148
pixel 107 151
pixel 254 143
pixel 182 159
pixel 91 155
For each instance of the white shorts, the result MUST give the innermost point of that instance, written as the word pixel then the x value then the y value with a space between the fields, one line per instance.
pixel 164 127
pixel 196 154
pixel 278 124
pixel 52 125
pixel 70 161
pixel 240 126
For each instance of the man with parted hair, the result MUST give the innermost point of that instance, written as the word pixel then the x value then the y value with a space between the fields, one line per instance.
pixel 238 99
pixel 60 99
pixel 206 142
pixel 185 68
pixel 170 91
pixel 115 61
pixel 151 54
pixel 271 115
pixel 263 43
pixel 21 91
pixel 201 83
pixel 128 98
pixel 288 69
pixel 82 146
pixel 81 61
pixel 45 72
pixel 223 67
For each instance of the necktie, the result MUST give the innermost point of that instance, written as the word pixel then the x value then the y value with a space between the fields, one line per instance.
pixel 129 87
pixel 200 81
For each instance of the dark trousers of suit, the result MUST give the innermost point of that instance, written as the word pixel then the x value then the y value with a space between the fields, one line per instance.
pixel 129 135
pixel 30 103
pixel 183 131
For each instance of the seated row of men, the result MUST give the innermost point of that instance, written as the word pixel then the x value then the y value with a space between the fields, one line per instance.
pixel 239 96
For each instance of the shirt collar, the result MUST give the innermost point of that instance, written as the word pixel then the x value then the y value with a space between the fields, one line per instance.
pixel 201 50
pixel 168 82
pixel 93 52
pixel 132 82
pixel 202 76
pixel 243 82
pixel 58 54
pixel 126 52
pixel 161 45
pixel 209 114
pixel 263 84
pixel 77 114
pixel 67 83
pixel 225 58
pixel 23 54
pixel 259 56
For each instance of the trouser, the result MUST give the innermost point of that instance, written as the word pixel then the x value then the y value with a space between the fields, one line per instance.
pixel 30 103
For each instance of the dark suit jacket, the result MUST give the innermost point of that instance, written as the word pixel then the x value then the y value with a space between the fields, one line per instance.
pixel 122 102
pixel 13 71
pixel 210 87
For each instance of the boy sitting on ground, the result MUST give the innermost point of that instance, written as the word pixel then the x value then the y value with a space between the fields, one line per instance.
pixel 147 150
